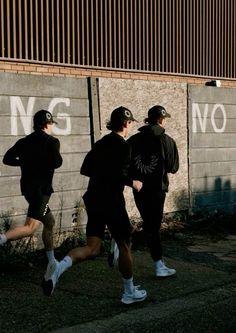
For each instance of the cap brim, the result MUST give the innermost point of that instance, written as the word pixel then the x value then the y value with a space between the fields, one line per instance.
pixel 167 115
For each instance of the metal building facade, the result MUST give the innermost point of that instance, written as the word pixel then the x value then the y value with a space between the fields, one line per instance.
pixel 189 37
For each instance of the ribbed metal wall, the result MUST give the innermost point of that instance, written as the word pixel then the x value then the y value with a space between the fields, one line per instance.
pixel 195 37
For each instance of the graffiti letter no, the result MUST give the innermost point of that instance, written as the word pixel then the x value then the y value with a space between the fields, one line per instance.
pixel 202 119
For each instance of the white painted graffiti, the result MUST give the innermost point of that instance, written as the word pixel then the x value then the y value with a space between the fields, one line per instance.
pixel 202 118
pixel 25 115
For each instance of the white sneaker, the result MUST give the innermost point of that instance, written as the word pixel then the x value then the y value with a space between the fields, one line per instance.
pixel 163 271
pixel 136 296
pixel 113 255
pixel 50 278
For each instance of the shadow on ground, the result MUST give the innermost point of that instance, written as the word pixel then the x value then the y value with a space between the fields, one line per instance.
pixel 87 297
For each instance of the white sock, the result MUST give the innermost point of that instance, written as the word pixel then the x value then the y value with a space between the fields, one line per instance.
pixel 65 263
pixel 50 255
pixel 128 285
pixel 3 239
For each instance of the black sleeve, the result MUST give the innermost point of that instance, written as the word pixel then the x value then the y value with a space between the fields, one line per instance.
pixel 86 167
pixel 11 157
pixel 55 156
pixel 125 177
pixel 171 155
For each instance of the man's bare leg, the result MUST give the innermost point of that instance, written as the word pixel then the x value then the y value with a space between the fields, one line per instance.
pixel 131 293
pixel 56 269
pixel 27 230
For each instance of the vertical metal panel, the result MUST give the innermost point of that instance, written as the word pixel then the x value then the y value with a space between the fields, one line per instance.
pixel 62 30
pixel 163 37
pixel 153 32
pixel 127 34
pixel 105 25
pixel 2 54
pixel 48 44
pixel 135 46
pixel 52 55
pixel 131 35
pixel 101 36
pixel 36 18
pixel 123 32
pixel 206 34
pixel 73 33
pixel 20 30
pixel 42 40
pixel 9 49
pixel 58 32
pixel 79 36
pixel 67 33
pixel 14 28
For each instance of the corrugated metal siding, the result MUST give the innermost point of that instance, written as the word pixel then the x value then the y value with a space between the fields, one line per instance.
pixel 195 37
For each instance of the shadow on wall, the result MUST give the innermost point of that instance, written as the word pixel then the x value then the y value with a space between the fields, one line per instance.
pixel 217 199
pixel 181 201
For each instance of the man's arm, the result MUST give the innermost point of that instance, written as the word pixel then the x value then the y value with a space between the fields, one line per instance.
pixel 171 155
pixel 56 158
pixel 11 157
pixel 87 165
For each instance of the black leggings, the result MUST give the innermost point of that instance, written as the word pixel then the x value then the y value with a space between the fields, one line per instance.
pixel 150 203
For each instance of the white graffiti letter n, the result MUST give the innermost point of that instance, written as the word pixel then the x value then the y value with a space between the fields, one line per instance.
pixel 25 116
pixel 196 114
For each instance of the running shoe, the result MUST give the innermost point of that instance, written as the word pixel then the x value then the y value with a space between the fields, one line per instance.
pixel 136 296
pixel 50 278
pixel 163 271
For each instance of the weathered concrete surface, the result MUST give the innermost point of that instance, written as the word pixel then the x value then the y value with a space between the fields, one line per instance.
pixel 212 135
pixel 21 96
pixel 139 96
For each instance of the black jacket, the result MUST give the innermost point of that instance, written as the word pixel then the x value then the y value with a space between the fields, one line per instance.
pixel 154 155
pixel 106 165
pixel 108 162
pixel 37 154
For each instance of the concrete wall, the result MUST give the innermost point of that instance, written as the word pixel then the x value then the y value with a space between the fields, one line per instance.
pixel 212 149
pixel 68 100
pixel 203 125
pixel 139 96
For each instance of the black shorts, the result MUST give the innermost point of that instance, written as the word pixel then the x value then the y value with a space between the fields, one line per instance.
pixel 38 205
pixel 119 227
pixel 115 218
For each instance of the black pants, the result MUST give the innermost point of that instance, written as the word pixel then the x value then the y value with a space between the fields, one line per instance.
pixel 150 203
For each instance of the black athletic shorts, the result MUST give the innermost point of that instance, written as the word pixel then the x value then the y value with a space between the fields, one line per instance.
pixel 38 205
pixel 115 218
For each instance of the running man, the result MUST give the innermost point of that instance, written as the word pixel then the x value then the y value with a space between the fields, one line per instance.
pixel 38 155
pixel 106 165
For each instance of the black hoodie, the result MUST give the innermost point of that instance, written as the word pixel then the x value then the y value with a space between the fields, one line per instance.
pixel 154 155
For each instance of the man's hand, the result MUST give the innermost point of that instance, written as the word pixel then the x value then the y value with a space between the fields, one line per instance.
pixel 137 185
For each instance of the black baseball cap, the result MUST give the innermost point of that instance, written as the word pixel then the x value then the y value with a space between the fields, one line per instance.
pixel 156 112
pixel 43 117
pixel 121 114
